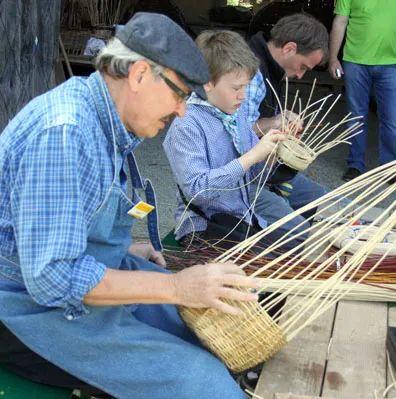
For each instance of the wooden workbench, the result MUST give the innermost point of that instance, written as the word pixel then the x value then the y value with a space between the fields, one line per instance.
pixel 341 355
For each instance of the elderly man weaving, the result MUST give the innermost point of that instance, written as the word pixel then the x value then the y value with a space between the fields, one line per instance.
pixel 76 309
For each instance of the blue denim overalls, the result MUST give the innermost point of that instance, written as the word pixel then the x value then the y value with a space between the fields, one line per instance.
pixel 131 352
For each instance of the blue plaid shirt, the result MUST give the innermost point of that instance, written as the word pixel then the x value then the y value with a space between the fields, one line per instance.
pixel 56 165
pixel 205 165
pixel 255 94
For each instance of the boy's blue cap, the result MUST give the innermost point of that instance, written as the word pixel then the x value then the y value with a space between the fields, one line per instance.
pixel 158 38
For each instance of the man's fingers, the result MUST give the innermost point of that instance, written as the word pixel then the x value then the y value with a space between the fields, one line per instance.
pixel 158 258
pixel 226 308
pixel 236 295
pixel 229 268
pixel 240 281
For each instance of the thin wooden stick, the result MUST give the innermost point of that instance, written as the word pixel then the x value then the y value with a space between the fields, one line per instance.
pixel 324 116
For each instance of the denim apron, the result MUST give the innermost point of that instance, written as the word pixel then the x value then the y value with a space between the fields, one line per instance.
pixel 137 351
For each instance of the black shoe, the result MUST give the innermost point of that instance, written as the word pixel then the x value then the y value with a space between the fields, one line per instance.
pixel 248 379
pixel 351 173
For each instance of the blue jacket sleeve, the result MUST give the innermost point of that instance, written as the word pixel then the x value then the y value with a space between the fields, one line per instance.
pixel 55 186
pixel 186 150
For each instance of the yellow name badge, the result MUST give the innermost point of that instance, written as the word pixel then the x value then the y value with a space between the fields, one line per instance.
pixel 140 210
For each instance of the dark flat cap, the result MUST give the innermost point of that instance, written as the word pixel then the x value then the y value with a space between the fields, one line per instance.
pixel 158 38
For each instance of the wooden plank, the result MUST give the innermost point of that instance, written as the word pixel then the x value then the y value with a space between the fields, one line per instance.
pixel 299 367
pixel 357 365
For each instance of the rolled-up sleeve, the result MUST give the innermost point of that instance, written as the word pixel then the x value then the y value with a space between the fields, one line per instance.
pixel 55 190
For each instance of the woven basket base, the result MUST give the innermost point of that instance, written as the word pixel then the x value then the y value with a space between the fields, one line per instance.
pixel 295 154
pixel 241 342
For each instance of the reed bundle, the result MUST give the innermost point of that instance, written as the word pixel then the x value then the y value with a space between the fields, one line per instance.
pixel 83 14
pixel 104 12
pixel 384 274
pixel 244 341
pixel 302 148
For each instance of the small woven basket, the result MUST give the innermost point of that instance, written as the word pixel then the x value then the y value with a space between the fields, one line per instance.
pixel 242 341
pixel 296 154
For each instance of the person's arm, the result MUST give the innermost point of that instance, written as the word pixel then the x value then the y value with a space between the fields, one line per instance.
pixel 185 148
pixel 55 191
pixel 196 286
pixel 187 154
pixel 337 34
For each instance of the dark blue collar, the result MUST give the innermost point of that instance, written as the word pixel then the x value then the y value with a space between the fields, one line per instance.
pixel 108 115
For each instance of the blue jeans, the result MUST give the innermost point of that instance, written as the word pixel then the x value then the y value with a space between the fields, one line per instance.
pixel 359 80
pixel 272 206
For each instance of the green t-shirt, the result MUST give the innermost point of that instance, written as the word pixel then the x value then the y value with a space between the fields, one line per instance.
pixel 371 31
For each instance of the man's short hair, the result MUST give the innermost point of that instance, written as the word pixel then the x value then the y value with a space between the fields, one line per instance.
pixel 226 51
pixel 306 31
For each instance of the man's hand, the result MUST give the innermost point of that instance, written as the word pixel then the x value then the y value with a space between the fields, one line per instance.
pixel 203 286
pixel 292 123
pixel 337 34
pixel 335 65
pixel 147 251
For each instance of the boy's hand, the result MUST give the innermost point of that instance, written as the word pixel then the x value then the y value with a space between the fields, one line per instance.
pixel 267 144
pixel 262 149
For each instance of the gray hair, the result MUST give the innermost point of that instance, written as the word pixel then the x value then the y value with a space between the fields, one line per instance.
pixel 115 59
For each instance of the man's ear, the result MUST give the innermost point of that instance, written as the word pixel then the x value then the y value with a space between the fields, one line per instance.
pixel 138 72
pixel 289 48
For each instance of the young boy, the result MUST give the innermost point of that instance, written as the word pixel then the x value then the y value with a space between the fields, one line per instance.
pixel 213 151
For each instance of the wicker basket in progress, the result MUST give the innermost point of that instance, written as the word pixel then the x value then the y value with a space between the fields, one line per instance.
pixel 242 341
pixel 296 154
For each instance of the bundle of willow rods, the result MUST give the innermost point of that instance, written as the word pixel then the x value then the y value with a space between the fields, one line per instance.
pixel 202 252
pixel 242 341
pixel 379 285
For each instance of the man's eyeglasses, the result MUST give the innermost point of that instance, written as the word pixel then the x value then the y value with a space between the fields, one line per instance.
pixel 183 96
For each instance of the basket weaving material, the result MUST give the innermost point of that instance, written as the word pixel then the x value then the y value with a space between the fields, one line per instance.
pixel 241 341
pixel 245 340
pixel 296 154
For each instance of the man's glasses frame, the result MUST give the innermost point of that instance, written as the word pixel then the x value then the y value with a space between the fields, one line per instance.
pixel 175 88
